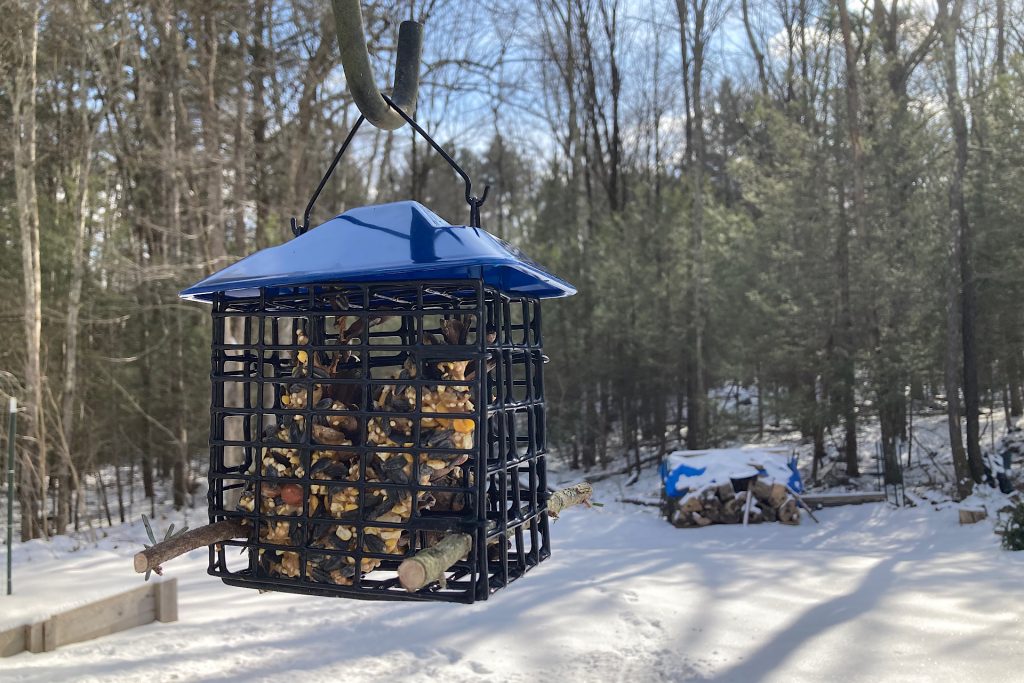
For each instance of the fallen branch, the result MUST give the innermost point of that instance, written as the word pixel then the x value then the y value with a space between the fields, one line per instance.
pixel 626 469
pixel 641 501
pixel 429 565
pixel 150 559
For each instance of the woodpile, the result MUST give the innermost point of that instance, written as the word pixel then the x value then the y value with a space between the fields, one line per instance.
pixel 721 504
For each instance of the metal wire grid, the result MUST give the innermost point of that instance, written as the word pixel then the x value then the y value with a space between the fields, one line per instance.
pixel 503 486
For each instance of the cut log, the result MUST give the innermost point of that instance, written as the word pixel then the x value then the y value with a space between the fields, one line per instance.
pixel 762 491
pixel 789 513
pixel 725 492
pixel 732 511
pixel 712 509
pixel 700 519
pixel 722 504
pixel 691 504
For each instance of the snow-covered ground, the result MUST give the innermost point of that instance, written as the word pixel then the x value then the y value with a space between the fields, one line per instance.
pixel 873 593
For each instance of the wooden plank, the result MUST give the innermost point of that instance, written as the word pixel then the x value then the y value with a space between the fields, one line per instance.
pixel 110 615
pixel 34 637
pixel 137 607
pixel 12 641
pixel 828 500
pixel 167 600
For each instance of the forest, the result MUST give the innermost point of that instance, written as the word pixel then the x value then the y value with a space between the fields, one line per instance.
pixel 808 206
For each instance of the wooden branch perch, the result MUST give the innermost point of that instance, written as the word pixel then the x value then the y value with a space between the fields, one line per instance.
pixel 150 559
pixel 430 564
pixel 577 494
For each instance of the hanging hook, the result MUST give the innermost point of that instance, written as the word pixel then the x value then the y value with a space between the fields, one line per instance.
pixel 348 19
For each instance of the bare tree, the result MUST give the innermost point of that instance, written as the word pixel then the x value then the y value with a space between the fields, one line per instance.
pixel 22 87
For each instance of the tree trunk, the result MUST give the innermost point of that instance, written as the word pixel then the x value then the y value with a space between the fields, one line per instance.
pixel 260 69
pixel 762 77
pixel 1000 37
pixel 961 466
pixel 68 473
pixel 696 400
pixel 101 492
pixel 950 21
pixel 23 141
pixel 1012 365
pixel 147 476
pixel 120 492
pixel 845 347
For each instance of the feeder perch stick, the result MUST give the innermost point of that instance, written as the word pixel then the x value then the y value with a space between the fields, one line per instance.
pixel 150 559
pixel 577 494
pixel 429 565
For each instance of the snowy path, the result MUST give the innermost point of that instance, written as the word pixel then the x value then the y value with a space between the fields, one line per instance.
pixel 871 594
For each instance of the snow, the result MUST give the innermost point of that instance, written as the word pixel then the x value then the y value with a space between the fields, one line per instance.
pixel 872 593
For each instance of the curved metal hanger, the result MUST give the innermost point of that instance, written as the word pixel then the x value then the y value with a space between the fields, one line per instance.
pixel 388 113
pixel 348 20
pixel 474 202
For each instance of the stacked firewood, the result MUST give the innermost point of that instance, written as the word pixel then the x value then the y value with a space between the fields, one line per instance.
pixel 330 504
pixel 722 504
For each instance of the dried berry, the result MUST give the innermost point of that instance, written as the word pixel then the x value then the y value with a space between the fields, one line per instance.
pixel 292 494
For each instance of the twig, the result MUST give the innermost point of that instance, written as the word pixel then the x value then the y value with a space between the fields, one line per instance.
pixel 150 559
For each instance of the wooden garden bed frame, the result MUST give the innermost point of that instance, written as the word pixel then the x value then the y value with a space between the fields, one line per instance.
pixel 140 606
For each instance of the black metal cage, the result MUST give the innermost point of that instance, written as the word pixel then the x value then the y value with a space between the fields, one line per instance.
pixel 354 424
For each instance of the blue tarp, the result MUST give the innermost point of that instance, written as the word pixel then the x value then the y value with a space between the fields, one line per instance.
pixel 685 471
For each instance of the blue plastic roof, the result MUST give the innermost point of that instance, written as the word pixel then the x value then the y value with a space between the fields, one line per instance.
pixel 399 241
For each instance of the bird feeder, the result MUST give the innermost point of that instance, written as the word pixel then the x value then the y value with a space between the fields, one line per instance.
pixel 377 413
pixel 378 386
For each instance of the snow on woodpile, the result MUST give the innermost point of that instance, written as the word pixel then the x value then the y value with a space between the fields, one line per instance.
pixel 731 486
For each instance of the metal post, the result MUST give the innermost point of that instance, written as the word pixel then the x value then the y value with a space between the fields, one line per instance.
pixel 11 431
